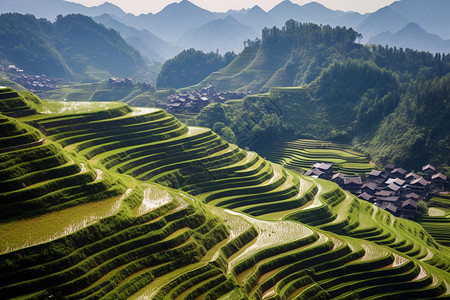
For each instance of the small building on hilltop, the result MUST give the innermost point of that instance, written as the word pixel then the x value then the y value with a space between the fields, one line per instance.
pixel 376 176
pixel 429 171
pixel 408 209
pixel 353 184
pixel 418 186
pixel 367 197
pixel 438 181
pixel 369 188
pixel 396 181
pixel 411 176
pixel 413 196
pixel 394 189
pixel 316 173
pixel 384 193
pixel 398 173
pixel 392 208
pixel 327 168
pixel 338 178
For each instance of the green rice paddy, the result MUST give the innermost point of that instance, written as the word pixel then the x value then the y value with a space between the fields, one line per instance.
pixel 122 202
pixel 302 154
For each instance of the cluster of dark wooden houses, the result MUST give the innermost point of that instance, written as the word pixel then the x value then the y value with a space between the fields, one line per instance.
pixel 33 83
pixel 195 101
pixel 394 189
pixel 120 82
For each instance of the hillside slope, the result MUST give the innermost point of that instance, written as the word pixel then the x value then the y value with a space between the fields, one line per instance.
pixel 72 46
pixel 180 213
pixel 148 44
pixel 298 53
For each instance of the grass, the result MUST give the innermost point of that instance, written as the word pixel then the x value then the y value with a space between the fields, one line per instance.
pixel 51 226
pixel 235 226
pixel 437 220
pixel 302 154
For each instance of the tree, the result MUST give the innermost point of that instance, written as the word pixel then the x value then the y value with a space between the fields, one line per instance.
pixel 422 207
pixel 228 135
pixel 212 114
pixel 190 67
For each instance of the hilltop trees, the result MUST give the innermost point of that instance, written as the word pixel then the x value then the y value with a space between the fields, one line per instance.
pixel 309 34
pixel 190 67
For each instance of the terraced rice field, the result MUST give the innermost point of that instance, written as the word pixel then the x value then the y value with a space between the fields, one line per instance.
pixel 303 154
pixel 130 203
pixel 437 221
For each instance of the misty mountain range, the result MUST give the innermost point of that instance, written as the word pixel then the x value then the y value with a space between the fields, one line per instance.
pixel 416 24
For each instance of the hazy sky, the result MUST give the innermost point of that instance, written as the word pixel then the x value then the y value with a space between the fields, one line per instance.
pixel 146 6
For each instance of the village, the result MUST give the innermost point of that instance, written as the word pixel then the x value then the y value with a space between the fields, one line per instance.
pixel 394 190
pixel 195 101
pixel 33 83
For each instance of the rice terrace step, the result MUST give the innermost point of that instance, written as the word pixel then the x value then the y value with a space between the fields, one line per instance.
pixel 129 203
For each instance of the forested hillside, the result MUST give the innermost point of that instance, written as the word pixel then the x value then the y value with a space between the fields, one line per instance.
pixel 190 67
pixel 70 47
pixel 372 96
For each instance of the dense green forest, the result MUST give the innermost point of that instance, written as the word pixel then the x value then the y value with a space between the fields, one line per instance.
pixel 190 67
pixel 67 48
pixel 299 52
pixel 391 103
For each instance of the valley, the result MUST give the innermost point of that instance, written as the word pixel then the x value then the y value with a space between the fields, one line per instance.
pixel 291 152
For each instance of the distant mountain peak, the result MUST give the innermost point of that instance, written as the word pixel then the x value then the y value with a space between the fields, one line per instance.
pixel 257 8
pixel 230 19
pixel 285 5
pixel 413 25
pixel 315 4
pixel 183 5
pixel 256 11
pixel 413 36
pixel 109 5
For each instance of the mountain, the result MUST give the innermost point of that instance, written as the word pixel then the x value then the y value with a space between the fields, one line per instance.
pixel 49 9
pixel 297 53
pixel 257 18
pixel 310 12
pixel 290 56
pixel 351 19
pixel 237 14
pixel 221 34
pixel 71 46
pixel 174 20
pixel 414 37
pixel 431 15
pixel 183 25
pixel 385 19
pixel 148 44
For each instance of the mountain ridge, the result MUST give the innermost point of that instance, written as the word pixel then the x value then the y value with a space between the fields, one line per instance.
pixel 412 36
pixel 73 46
pixel 176 19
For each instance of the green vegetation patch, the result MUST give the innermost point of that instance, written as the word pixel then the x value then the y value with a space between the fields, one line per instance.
pixel 302 154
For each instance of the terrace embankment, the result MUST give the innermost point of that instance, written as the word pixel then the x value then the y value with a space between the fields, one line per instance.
pixel 182 214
